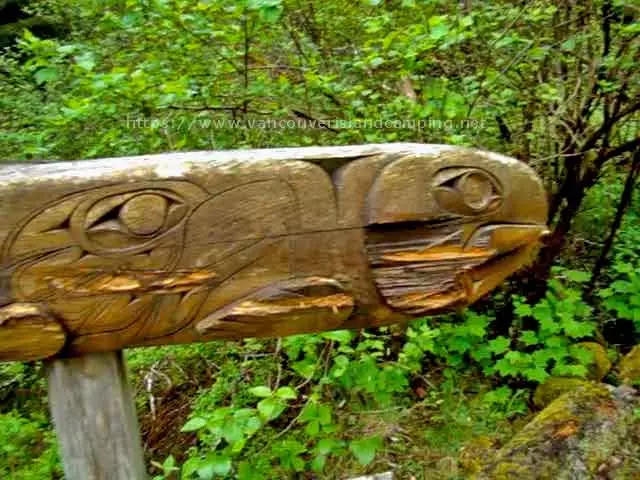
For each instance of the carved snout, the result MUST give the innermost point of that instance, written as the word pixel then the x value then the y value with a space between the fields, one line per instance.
pixel 444 232
pixel 510 247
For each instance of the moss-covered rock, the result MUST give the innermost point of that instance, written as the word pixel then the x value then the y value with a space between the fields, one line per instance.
pixel 553 387
pixel 601 363
pixel 630 366
pixel 474 454
pixel 576 436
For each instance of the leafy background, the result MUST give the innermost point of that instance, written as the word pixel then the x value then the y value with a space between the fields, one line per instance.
pixel 554 84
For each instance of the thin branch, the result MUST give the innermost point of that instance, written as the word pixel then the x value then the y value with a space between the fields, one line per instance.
pixel 624 148
pixel 625 201
pixel 247 44
pixel 231 109
pixel 204 109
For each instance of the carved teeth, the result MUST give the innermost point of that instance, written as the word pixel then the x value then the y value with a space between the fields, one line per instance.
pixel 131 282
pixel 426 276
pixel 443 254
pixel 19 310
pixel 250 307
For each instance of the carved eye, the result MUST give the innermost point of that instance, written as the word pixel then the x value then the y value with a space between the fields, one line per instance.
pixel 132 220
pixel 144 214
pixel 466 191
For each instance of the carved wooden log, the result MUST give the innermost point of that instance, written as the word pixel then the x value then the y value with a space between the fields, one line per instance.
pixel 105 254
pixel 100 255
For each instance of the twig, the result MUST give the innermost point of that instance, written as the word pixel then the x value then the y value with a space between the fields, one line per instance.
pixel 276 356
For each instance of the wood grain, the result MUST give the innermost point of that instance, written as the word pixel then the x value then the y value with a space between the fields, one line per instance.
pixel 94 415
pixel 179 248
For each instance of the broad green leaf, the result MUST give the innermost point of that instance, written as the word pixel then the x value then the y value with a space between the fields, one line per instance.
pixel 46 74
pixel 523 310
pixel 196 423
pixel 86 61
pixel 324 414
pixel 438 27
pixel 309 412
pixel 342 336
pixel 506 368
pixel 67 48
pixel 313 428
pixel 232 431
pixel 577 276
pixel 169 464
pixel 439 31
pixel 270 408
pixel 365 450
pixel 529 337
pixel 536 374
pixel 214 465
pixel 477 324
pixel 499 344
pixel 286 393
pixel 318 463
pixel 500 395
pixel 549 325
pixel 328 445
pixel 261 391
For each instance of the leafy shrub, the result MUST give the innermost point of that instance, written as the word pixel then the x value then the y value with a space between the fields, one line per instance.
pixel 541 342
pixel 27 449
pixel 622 296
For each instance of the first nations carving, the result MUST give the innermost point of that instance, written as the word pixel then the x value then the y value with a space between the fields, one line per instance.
pixel 105 254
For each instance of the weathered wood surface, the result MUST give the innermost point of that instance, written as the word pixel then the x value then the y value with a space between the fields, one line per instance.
pixel 175 248
pixel 95 419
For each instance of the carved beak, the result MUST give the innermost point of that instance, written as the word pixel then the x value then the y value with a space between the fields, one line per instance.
pixel 509 247
pixel 444 269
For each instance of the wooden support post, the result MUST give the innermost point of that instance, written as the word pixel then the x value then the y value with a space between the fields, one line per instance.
pixel 95 418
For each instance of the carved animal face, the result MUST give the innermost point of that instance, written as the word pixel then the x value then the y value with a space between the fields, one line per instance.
pixel 442 234
pixel 168 249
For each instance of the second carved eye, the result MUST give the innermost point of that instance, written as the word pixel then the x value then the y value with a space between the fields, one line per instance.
pixel 466 191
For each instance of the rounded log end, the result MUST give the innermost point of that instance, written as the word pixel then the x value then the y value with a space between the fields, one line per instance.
pixel 29 333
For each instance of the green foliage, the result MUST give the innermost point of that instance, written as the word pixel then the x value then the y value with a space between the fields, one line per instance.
pixel 458 415
pixel 365 449
pixel 621 293
pixel 541 342
pixel 168 468
pixel 329 360
pixel 140 77
pixel 622 296
pixel 27 449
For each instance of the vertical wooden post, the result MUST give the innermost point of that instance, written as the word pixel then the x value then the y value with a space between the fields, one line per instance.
pixel 95 418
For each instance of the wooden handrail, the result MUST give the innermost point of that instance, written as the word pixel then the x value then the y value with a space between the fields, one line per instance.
pixel 101 255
